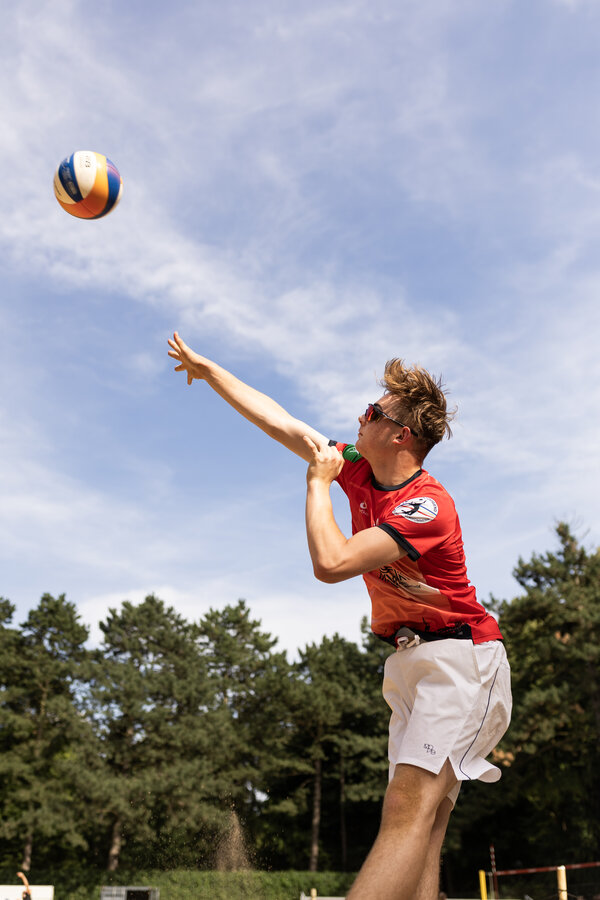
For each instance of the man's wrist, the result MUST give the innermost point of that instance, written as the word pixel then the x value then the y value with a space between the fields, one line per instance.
pixel 317 479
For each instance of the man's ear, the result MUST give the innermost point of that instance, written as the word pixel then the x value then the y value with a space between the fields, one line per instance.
pixel 402 436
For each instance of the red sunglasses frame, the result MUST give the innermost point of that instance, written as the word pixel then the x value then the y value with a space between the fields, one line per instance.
pixel 374 412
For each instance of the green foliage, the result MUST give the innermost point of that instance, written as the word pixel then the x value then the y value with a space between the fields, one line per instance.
pixel 247 682
pixel 545 811
pixel 150 754
pixel 44 667
pixel 327 796
pixel 553 639
pixel 182 884
pixel 159 781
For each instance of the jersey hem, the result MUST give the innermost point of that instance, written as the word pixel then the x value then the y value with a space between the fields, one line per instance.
pixel 405 545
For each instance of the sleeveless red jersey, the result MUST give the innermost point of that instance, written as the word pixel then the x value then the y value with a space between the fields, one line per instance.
pixel 428 589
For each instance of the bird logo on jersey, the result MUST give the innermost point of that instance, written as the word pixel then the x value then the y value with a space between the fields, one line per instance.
pixel 418 509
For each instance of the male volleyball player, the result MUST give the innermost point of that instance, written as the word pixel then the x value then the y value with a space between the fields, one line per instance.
pixel 448 684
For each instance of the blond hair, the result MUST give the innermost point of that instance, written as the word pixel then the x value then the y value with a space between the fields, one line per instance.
pixel 419 401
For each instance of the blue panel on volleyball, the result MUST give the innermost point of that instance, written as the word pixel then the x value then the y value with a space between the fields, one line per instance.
pixel 114 185
pixel 66 173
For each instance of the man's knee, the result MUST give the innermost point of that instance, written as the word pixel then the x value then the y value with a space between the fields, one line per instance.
pixel 399 804
pixel 415 792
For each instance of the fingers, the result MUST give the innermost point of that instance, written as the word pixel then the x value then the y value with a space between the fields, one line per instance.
pixel 188 361
pixel 319 445
pixel 174 353
pixel 321 450
pixel 317 448
pixel 176 344
pixel 181 345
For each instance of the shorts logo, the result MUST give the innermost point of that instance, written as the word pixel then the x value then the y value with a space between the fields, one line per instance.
pixel 429 748
pixel 418 509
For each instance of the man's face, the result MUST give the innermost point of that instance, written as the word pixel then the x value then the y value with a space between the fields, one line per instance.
pixel 377 435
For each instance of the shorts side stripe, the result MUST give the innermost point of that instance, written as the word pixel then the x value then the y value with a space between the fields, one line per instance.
pixel 468 777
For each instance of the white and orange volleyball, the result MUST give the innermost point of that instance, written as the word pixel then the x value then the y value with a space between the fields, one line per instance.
pixel 87 184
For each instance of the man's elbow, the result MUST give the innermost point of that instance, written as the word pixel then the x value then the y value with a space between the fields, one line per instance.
pixel 328 574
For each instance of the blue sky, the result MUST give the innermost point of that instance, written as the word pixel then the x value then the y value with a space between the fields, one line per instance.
pixel 309 189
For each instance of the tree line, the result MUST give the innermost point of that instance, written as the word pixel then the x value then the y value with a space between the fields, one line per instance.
pixel 154 748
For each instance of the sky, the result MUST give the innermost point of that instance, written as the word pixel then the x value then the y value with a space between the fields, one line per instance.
pixel 309 189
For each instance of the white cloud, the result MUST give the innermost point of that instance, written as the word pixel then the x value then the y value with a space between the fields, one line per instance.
pixel 294 618
pixel 577 4
pixel 311 192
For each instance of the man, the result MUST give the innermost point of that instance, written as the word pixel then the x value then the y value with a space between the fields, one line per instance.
pixel 448 684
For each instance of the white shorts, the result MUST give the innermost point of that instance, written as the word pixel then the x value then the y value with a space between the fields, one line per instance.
pixel 450 699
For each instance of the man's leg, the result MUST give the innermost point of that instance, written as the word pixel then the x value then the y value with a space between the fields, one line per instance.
pixel 409 824
pixel 429 885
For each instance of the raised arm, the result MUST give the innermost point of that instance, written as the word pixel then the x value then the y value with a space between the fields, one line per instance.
pixel 255 406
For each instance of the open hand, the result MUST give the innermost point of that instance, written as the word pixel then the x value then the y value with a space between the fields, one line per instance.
pixel 189 362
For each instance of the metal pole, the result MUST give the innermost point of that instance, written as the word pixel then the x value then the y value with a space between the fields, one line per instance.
pixel 494 875
pixel 561 877
pixel 482 885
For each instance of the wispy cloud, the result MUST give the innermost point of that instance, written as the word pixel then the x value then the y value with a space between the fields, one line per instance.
pixel 307 194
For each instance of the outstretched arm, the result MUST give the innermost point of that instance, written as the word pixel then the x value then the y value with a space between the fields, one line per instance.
pixel 258 408
pixel 335 557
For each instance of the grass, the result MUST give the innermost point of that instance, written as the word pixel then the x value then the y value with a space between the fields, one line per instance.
pixel 195 885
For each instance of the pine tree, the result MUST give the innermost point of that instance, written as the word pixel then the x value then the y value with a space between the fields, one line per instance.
pixel 329 791
pixel 152 705
pixel 249 681
pixel 553 640
pixel 42 733
pixel 545 809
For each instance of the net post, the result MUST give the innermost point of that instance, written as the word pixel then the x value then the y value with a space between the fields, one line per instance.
pixel 482 885
pixel 561 877
pixel 494 875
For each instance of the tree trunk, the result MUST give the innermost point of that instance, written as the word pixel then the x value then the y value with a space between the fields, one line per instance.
pixel 115 847
pixel 27 851
pixel 343 837
pixel 316 817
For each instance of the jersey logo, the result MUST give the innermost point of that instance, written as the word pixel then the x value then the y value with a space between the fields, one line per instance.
pixel 418 509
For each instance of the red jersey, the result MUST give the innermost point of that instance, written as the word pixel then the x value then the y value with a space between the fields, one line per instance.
pixel 428 589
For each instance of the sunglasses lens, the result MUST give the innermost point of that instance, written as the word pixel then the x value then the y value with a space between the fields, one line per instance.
pixel 371 413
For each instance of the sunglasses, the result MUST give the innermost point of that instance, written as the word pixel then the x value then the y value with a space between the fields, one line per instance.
pixel 374 412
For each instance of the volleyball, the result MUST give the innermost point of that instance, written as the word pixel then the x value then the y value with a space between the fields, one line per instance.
pixel 87 184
